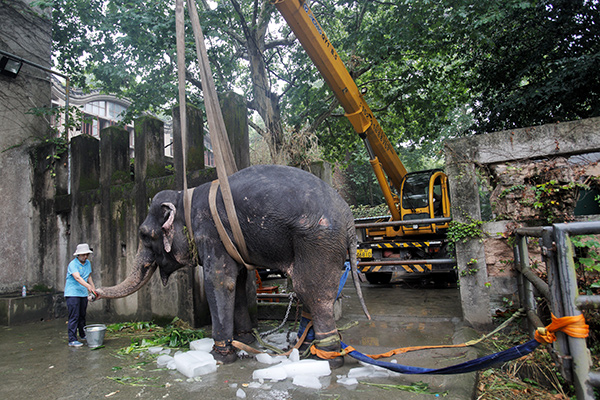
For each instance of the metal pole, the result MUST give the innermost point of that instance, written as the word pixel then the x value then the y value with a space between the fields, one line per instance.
pixel 398 261
pixel 579 351
pixel 67 108
pixel 561 352
pixel 399 223
pixel 523 265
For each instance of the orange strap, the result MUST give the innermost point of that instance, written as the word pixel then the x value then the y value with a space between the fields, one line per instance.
pixel 328 355
pixel 573 326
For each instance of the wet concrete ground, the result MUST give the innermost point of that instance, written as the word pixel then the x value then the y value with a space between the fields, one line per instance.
pixel 35 361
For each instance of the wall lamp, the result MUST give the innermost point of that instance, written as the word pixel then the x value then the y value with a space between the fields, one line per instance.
pixel 11 64
pixel 10 67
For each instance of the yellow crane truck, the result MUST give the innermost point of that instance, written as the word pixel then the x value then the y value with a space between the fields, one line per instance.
pixel 412 240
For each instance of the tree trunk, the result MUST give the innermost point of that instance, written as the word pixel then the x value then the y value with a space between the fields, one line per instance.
pixel 265 102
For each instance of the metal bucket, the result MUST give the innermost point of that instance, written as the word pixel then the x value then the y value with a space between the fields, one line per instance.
pixel 94 334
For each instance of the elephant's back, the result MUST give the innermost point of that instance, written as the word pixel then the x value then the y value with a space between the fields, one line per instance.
pixel 288 204
pixel 285 189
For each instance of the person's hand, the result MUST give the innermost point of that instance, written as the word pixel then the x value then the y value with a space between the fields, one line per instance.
pixel 92 296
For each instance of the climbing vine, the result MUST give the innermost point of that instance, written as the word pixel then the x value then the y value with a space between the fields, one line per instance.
pixel 471 268
pixel 56 136
pixel 548 197
pixel 463 231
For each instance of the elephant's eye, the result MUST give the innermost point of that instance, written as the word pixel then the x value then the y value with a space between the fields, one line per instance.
pixel 146 234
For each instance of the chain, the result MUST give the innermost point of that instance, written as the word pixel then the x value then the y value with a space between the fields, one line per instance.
pixel 294 327
pixel 287 313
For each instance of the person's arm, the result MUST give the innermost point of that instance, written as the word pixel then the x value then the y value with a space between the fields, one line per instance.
pixel 79 279
pixel 91 282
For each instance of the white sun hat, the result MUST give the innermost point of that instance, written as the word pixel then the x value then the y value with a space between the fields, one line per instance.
pixel 82 248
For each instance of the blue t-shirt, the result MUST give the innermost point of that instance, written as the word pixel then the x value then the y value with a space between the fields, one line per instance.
pixel 72 287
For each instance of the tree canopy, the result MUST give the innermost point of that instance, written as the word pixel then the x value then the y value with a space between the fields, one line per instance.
pixel 430 69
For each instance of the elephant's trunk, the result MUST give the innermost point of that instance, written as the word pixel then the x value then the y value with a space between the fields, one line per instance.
pixel 141 274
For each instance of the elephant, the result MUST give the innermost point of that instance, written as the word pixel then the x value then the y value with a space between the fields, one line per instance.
pixel 291 220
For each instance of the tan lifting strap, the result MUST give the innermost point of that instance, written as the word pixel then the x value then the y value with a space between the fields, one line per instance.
pixel 231 248
pixel 224 161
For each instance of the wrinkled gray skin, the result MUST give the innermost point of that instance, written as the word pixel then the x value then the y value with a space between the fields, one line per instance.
pixel 291 221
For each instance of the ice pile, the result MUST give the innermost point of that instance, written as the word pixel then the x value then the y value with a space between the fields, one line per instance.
pixel 198 361
pixel 367 371
pixel 304 373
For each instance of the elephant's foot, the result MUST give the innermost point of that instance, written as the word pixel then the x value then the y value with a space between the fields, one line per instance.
pixel 332 345
pixel 224 352
pixel 245 337
pixel 334 363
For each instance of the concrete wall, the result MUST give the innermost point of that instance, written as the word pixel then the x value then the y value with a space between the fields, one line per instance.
pixel 468 162
pixel 26 33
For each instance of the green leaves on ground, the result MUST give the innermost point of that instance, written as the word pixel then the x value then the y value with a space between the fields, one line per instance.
pixel 175 335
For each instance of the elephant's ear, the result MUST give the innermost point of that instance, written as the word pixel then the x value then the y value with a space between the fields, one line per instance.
pixel 167 227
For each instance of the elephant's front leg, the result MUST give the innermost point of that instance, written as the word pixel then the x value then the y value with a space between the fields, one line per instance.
pixel 220 283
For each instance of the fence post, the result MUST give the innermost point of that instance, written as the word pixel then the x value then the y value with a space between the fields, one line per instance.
pixel 560 351
pixel 568 278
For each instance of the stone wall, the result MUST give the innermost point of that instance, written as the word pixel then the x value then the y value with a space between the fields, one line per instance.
pixel 26 33
pixel 531 182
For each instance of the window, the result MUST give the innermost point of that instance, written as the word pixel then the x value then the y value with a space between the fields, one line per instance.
pixel 114 111
pixel 96 108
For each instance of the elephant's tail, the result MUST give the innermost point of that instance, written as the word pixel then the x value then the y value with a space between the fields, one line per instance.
pixel 352 247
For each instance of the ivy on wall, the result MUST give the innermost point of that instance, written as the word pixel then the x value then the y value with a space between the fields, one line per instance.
pixel 544 190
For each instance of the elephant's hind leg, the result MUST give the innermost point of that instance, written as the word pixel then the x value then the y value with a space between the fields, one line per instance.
pixel 318 292
pixel 241 319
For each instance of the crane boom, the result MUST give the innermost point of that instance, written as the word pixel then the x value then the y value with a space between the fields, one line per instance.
pixel 303 23
pixel 413 241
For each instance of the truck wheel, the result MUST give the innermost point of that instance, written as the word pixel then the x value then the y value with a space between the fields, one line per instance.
pixel 379 277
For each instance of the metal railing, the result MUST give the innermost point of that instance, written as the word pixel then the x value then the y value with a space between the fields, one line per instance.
pixel 561 291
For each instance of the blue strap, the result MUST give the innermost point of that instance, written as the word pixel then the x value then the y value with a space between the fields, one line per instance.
pixel 343 279
pixel 469 366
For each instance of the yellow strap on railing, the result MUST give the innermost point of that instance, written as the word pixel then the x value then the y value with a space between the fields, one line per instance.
pixel 573 326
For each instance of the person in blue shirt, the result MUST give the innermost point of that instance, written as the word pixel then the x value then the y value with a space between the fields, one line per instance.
pixel 79 283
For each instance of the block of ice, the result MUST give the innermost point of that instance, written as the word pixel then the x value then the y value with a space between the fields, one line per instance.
pixel 195 363
pixel 278 359
pixel 171 364
pixel 154 350
pixel 307 367
pixel 278 339
pixel 274 373
pixel 347 381
pixel 163 360
pixel 307 381
pixel 205 344
pixel 240 393
pixel 265 358
pixel 360 372
pixel 294 355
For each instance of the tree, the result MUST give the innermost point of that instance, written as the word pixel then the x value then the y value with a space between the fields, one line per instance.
pixel 526 62
pixel 127 47
pixel 412 90
pixel 430 70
